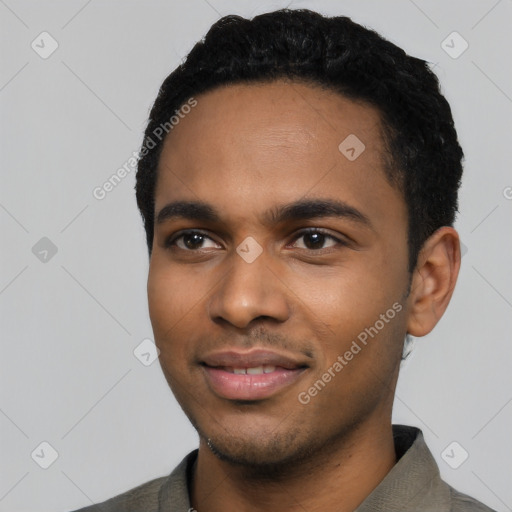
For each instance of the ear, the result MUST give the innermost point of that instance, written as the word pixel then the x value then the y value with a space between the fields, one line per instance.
pixel 433 280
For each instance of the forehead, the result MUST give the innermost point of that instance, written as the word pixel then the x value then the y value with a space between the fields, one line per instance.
pixel 279 113
pixel 245 145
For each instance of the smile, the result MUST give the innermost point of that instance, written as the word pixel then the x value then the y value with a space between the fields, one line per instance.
pixel 255 375
pixel 255 370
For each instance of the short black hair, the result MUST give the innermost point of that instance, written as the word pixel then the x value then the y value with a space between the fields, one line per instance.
pixel 423 157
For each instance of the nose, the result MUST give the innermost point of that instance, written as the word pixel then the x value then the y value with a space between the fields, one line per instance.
pixel 249 291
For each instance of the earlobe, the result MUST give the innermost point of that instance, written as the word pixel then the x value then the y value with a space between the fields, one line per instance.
pixel 433 280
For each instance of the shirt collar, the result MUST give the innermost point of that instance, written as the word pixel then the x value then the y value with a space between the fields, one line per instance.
pixel 413 483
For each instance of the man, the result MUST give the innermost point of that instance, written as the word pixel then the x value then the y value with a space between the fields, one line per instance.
pixel 298 183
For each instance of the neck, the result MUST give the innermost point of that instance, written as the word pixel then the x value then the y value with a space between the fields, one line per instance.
pixel 337 480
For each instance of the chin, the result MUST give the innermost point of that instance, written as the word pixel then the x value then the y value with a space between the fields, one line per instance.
pixel 268 455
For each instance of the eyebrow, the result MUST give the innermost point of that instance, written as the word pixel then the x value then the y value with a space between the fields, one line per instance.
pixel 315 208
pixel 299 210
pixel 193 210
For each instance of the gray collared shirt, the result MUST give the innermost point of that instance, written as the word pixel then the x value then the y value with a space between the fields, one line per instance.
pixel 413 484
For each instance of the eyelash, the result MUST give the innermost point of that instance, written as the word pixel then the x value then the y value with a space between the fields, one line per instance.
pixel 171 241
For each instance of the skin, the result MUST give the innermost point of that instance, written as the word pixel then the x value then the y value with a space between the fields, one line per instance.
pixel 246 150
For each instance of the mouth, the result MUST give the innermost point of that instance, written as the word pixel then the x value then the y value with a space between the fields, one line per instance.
pixel 250 376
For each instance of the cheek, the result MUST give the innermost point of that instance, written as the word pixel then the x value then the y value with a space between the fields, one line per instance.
pixel 357 365
pixel 172 299
pixel 345 296
pixel 353 305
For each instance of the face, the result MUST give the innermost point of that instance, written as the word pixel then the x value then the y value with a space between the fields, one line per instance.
pixel 278 271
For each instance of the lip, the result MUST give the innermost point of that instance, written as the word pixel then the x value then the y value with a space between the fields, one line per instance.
pixel 217 367
pixel 251 358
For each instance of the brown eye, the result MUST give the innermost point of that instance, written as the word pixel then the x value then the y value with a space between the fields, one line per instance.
pixel 192 241
pixel 315 240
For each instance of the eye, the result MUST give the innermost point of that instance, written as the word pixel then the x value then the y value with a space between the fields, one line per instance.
pixel 316 239
pixel 191 241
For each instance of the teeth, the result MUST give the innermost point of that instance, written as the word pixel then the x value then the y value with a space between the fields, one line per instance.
pixel 255 370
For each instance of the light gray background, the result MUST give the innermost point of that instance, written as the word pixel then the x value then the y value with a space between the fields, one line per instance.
pixel 69 326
